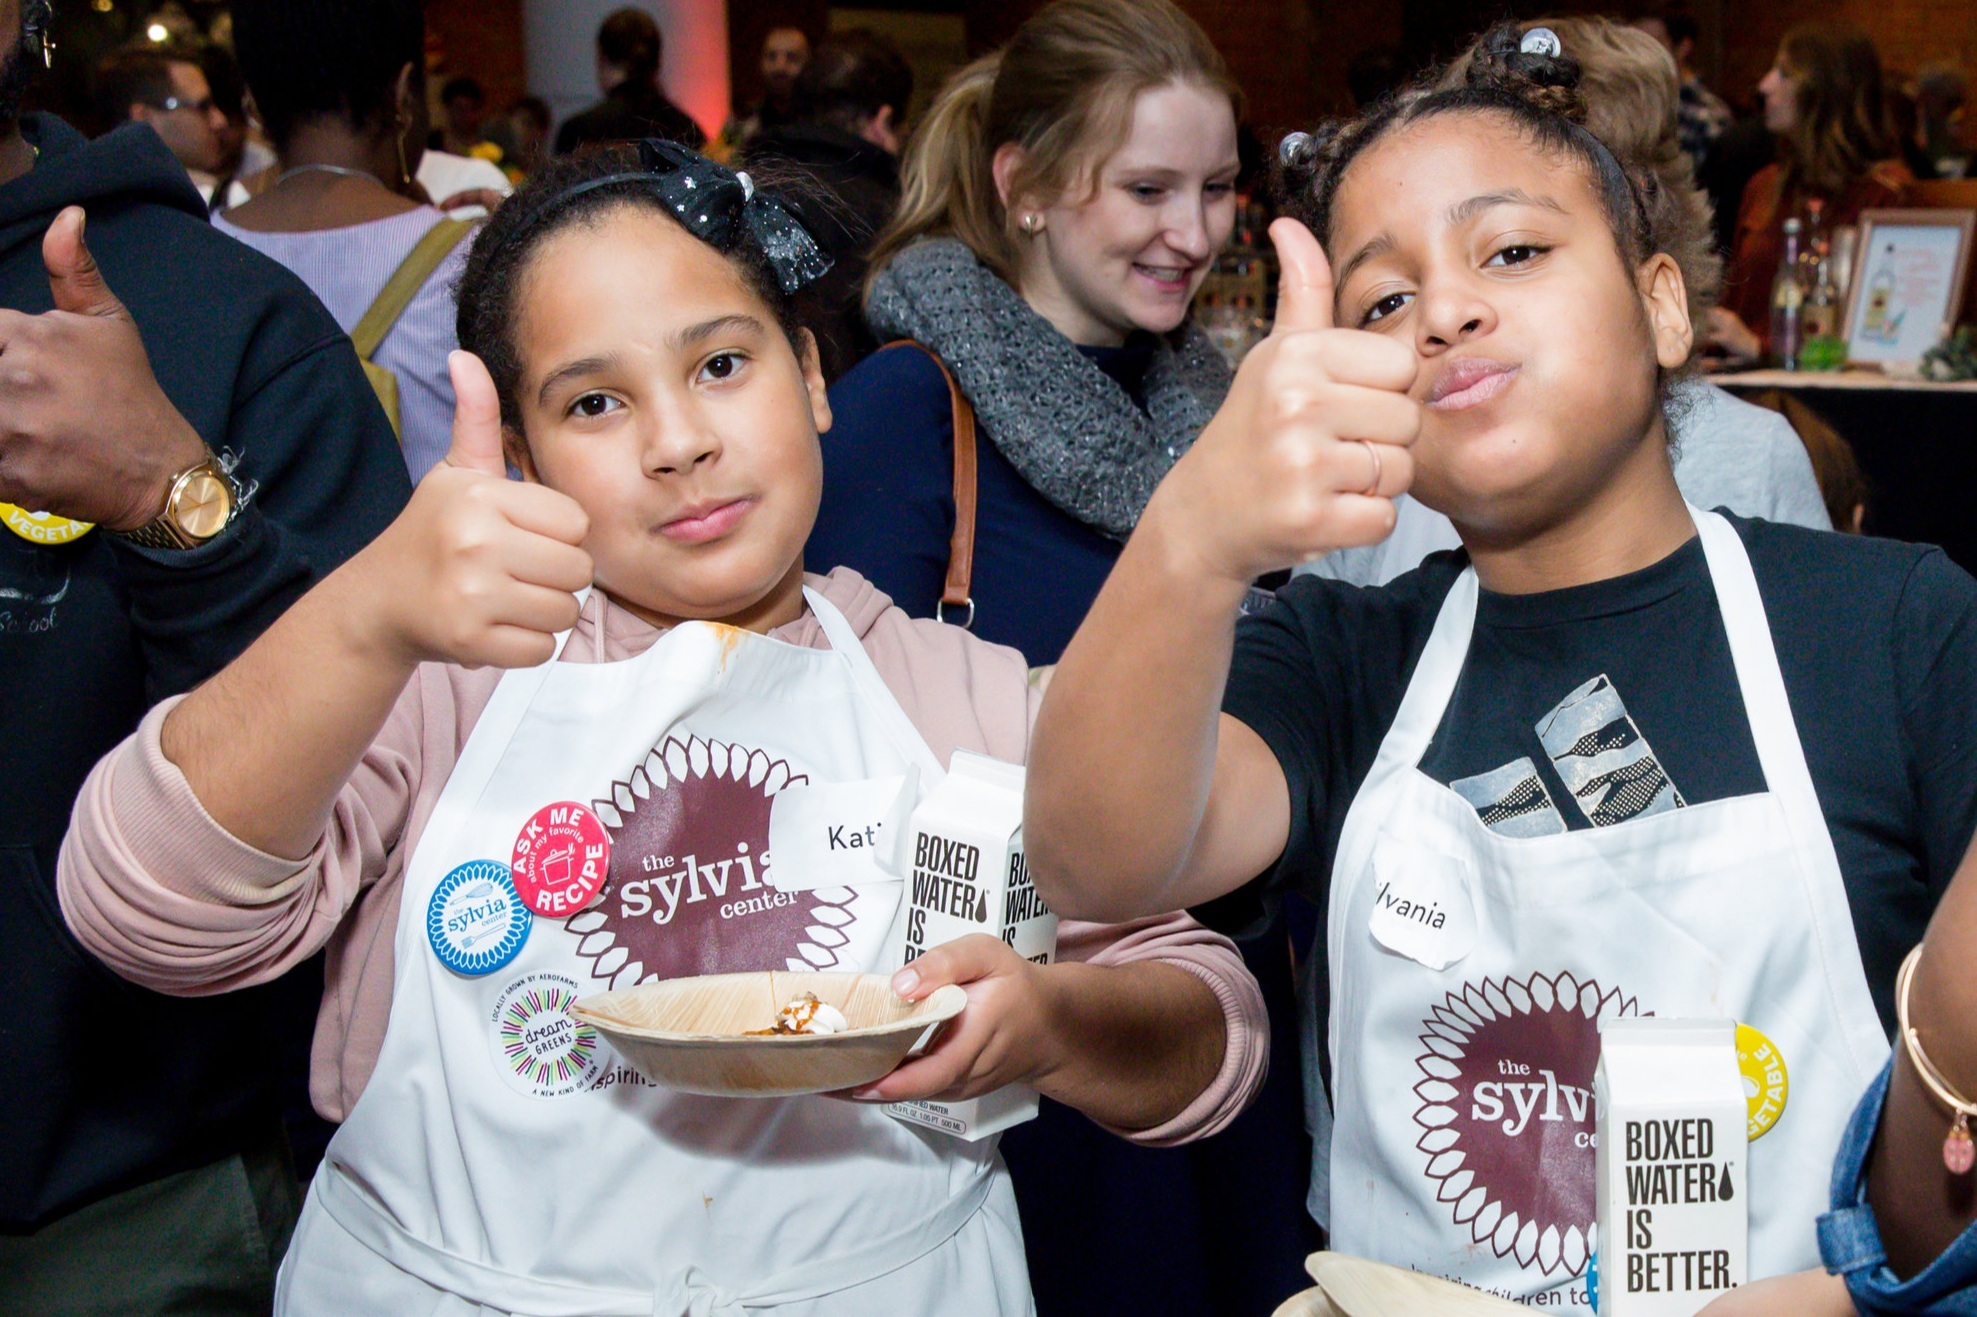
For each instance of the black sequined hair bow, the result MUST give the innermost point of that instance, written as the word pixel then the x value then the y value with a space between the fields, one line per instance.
pixel 719 206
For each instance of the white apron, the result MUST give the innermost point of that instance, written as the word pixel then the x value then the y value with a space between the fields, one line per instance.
pixel 502 1159
pixel 1463 1138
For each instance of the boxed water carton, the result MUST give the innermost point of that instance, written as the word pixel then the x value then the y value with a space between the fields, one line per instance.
pixel 962 858
pixel 1674 1220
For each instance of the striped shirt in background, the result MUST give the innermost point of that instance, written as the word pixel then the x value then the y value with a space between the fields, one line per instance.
pixel 347 268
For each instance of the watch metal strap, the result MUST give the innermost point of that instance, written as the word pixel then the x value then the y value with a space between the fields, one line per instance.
pixel 163 531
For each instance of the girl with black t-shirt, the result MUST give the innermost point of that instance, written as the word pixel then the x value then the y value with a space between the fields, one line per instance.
pixel 1617 756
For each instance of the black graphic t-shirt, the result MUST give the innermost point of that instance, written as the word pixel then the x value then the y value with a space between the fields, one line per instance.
pixel 1594 705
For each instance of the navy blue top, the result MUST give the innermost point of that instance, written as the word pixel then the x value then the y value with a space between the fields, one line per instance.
pixel 888 509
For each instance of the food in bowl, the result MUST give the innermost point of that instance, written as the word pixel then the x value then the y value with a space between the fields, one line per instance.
pixel 805 1015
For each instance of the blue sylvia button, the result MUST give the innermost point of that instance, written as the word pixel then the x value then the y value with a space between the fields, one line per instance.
pixel 475 921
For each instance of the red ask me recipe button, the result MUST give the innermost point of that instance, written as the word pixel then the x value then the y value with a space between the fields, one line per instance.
pixel 562 856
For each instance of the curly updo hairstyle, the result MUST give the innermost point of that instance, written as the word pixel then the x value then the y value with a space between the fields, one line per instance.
pixel 1538 93
pixel 487 296
pixel 1632 91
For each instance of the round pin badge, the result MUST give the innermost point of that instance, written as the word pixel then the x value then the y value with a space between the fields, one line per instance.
pixel 475 921
pixel 43 527
pixel 539 1048
pixel 1766 1084
pixel 562 857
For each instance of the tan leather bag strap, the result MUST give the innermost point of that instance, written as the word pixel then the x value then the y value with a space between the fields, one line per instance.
pixel 405 283
pixel 958 591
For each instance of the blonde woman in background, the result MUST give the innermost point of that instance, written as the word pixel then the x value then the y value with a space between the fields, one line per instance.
pixel 1063 200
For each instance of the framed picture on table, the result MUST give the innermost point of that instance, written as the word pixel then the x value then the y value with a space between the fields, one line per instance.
pixel 1907 285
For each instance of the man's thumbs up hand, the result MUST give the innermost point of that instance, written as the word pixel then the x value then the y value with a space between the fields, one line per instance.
pixel 73 277
pixel 85 431
pixel 1311 445
pixel 479 570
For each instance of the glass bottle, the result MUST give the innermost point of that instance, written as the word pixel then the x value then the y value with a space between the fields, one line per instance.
pixel 1813 246
pixel 1787 300
pixel 1881 322
pixel 1821 347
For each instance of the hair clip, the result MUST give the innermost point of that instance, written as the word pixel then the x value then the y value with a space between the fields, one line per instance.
pixel 1293 147
pixel 1541 41
pixel 717 205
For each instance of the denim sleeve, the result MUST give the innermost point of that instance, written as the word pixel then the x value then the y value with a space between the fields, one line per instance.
pixel 1850 1241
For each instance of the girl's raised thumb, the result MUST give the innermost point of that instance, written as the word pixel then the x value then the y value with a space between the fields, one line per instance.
pixel 1304 286
pixel 476 417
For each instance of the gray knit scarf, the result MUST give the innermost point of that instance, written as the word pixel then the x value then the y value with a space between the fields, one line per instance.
pixel 1067 427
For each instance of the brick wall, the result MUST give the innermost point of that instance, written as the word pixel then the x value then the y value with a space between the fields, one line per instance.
pixel 1291 55
pixel 482 38
pixel 1910 33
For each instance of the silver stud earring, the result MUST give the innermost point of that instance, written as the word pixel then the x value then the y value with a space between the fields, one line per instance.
pixel 1032 222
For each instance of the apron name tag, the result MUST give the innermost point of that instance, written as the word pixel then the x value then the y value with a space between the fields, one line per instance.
pixel 1422 908
pixel 839 834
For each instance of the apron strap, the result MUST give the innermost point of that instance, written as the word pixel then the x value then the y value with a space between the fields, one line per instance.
pixel 1406 741
pixel 866 676
pixel 1779 750
pixel 1433 683
pixel 367 1222
pixel 1781 755
pixel 692 1293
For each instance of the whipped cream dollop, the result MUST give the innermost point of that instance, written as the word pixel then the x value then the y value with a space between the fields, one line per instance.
pixel 806 1015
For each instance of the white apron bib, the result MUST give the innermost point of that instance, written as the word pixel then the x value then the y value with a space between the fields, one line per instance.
pixel 502 1159
pixel 1462 1063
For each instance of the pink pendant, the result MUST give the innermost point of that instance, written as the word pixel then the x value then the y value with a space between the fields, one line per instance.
pixel 1958 1152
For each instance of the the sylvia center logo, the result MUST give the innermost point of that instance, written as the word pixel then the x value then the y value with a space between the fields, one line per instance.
pixel 688 888
pixel 1507 1113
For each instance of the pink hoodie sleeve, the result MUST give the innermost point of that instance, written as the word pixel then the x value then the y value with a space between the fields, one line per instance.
pixel 152 885
pixel 1178 940
pixel 963 693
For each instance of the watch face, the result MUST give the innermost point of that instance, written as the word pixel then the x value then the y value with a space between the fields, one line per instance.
pixel 202 506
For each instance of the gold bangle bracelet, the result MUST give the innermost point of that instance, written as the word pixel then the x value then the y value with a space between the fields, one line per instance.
pixel 1958 1151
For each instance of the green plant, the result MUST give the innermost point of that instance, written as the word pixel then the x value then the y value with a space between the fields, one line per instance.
pixel 1955 358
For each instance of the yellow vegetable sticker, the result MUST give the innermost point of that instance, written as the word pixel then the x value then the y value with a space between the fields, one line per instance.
pixel 43 527
pixel 1766 1084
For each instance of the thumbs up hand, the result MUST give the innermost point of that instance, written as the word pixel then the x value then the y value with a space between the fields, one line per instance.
pixel 1310 446
pixel 85 431
pixel 479 570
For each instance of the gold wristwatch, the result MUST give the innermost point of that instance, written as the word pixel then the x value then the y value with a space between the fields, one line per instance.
pixel 201 501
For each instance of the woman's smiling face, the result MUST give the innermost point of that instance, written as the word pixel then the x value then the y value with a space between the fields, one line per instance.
pixel 1128 250
pixel 659 392
pixel 1493 258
